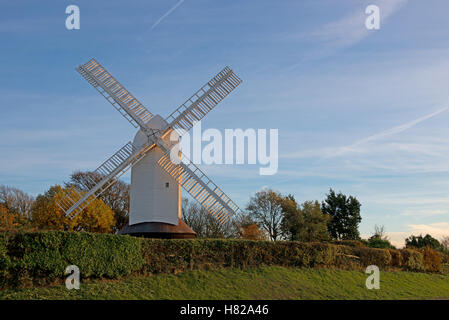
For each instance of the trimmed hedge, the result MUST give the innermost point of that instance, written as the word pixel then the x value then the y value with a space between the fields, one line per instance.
pixel 181 255
pixel 350 243
pixel 4 258
pixel 412 260
pixel 433 260
pixel 41 257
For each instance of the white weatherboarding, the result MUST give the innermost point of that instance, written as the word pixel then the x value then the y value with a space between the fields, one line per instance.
pixel 156 180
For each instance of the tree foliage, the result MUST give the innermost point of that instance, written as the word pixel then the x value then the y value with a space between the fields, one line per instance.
pixel 345 215
pixel 265 208
pixel 16 201
pixel 116 196
pixel 304 222
pixel 445 243
pixel 47 215
pixel 379 239
pixel 422 242
pixel 203 223
pixel 252 232
pixel 7 220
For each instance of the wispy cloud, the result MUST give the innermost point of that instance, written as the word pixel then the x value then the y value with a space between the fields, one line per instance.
pixel 425 212
pixel 384 134
pixel 359 145
pixel 166 14
pixel 347 31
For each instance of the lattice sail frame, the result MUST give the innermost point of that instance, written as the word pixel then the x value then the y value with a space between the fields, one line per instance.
pixel 202 189
pixel 115 93
pixel 187 174
pixel 117 165
pixel 203 101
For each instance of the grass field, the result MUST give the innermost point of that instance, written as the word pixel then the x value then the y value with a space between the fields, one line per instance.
pixel 260 283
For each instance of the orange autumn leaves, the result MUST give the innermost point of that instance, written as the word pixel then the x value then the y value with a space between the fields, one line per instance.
pixel 46 214
pixel 7 220
pixel 252 232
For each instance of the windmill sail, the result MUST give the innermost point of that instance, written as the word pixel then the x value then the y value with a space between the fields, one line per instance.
pixel 203 101
pixel 200 187
pixel 106 175
pixel 188 175
pixel 120 98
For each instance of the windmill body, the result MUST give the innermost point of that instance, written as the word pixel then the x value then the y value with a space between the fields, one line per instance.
pixel 155 195
pixel 156 180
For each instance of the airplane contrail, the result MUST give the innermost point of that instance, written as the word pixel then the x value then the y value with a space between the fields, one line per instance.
pixel 166 14
pixel 386 133
pixel 400 128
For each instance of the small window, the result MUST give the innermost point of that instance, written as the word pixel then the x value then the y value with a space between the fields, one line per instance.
pixel 167 184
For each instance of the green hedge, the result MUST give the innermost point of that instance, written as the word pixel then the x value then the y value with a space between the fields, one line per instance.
pixel 4 259
pixel 41 257
pixel 181 255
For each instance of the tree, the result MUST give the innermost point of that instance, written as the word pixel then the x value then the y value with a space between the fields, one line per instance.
pixel 252 232
pixel 379 239
pixel 97 217
pixel 116 196
pixel 16 201
pixel 203 223
pixel 47 215
pixel 7 220
pixel 305 222
pixel 292 218
pixel 379 232
pixel 422 242
pixel 265 208
pixel 192 217
pixel 345 215
pixel 445 243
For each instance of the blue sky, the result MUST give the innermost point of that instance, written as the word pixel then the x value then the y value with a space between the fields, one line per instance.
pixel 361 111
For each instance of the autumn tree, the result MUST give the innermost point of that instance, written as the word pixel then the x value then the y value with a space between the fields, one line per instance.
pixel 116 196
pixel 16 201
pixel 252 232
pixel 265 208
pixel 247 228
pixel 203 223
pixel 345 216
pixel 290 217
pixel 47 215
pixel 304 222
pixel 7 220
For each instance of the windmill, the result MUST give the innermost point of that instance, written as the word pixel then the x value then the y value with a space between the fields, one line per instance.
pixel 156 180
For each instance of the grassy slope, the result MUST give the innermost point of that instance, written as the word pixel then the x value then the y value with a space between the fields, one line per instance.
pixel 261 283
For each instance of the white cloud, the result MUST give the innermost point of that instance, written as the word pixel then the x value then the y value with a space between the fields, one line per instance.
pixel 437 230
pixel 397 238
pixel 425 212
